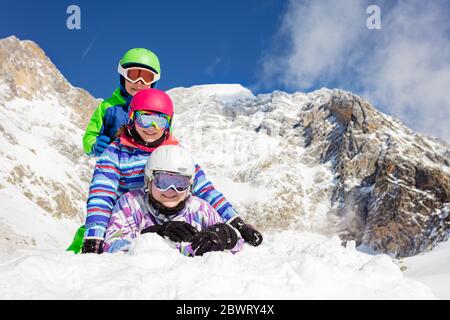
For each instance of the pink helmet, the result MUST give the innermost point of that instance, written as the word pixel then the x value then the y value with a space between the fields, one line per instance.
pixel 151 100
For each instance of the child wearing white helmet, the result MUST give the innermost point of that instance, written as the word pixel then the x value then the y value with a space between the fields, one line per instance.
pixel 121 168
pixel 165 206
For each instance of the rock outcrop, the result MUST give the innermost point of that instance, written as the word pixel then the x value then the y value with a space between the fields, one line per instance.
pixel 337 165
pixel 42 119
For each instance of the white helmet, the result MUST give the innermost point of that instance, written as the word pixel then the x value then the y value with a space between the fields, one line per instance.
pixel 172 158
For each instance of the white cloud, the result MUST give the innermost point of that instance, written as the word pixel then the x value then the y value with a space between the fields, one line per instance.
pixel 410 72
pixel 404 68
pixel 321 36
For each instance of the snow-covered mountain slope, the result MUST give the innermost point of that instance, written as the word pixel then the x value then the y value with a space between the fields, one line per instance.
pixel 242 141
pixel 225 93
pixel 303 168
pixel 44 174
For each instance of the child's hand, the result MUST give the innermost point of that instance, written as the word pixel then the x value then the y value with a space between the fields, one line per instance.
pixel 100 145
pixel 177 231
pixel 217 237
pixel 248 233
pixel 92 246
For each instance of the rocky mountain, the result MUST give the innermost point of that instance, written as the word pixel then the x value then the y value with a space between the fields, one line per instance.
pixel 44 173
pixel 325 162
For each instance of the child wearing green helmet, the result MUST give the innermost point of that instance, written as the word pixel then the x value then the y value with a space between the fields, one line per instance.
pixel 139 68
pixel 120 169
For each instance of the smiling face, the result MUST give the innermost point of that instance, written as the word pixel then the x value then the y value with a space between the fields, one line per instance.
pixel 133 88
pixel 169 198
pixel 151 134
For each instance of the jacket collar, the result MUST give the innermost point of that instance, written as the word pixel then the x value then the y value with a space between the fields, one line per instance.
pixel 128 141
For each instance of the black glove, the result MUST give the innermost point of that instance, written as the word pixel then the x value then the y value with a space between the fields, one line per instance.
pixel 250 234
pixel 214 238
pixel 177 231
pixel 92 246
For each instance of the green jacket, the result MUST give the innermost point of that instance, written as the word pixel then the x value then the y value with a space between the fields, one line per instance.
pixel 96 122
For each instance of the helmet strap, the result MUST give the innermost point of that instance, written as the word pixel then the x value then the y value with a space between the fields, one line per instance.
pixel 137 138
pixel 124 93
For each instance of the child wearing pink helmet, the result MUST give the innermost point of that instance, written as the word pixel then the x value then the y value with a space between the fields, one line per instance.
pixel 121 167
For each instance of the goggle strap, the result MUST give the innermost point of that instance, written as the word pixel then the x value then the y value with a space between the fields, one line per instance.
pixel 172 187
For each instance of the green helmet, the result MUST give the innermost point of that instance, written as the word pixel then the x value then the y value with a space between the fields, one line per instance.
pixel 141 56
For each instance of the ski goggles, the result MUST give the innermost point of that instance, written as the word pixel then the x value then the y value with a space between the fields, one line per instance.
pixel 146 120
pixel 164 181
pixel 134 74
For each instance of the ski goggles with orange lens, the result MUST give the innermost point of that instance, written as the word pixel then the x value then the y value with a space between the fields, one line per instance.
pixel 146 120
pixel 164 181
pixel 134 74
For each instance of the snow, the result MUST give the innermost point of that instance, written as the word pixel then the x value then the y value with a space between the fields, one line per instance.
pixel 288 265
pixel 244 192
pixel 226 93
pixel 432 269
pixel 43 173
pixel 31 221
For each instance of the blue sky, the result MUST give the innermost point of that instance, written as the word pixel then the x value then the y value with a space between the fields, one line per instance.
pixel 265 45
pixel 197 41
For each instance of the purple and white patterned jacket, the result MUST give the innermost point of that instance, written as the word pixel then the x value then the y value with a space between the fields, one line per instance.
pixel 133 213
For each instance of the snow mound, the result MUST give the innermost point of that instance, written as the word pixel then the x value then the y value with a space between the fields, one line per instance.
pixel 287 265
